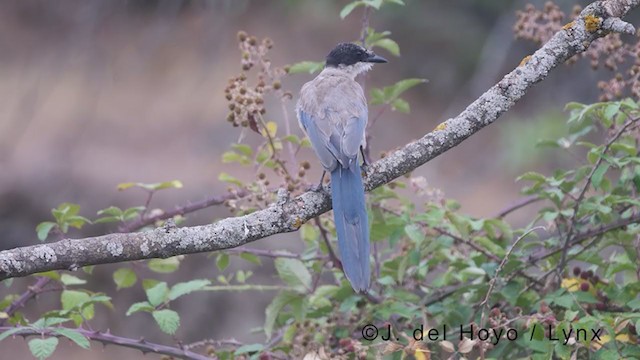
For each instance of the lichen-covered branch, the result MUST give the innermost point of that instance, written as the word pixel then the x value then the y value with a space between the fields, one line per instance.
pixel 287 214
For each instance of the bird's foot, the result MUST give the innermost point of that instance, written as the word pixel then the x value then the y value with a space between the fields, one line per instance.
pixel 317 188
pixel 364 169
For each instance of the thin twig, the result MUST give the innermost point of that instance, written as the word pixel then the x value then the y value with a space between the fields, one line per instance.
pixel 108 338
pixel 184 209
pixel 517 205
pixel 578 202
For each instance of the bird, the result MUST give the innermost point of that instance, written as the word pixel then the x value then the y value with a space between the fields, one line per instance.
pixel 332 111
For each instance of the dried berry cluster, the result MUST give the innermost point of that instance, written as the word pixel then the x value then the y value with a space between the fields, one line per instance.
pixel 538 25
pixel 610 51
pixel 246 102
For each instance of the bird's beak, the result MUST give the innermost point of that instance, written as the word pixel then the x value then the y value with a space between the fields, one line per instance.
pixel 376 59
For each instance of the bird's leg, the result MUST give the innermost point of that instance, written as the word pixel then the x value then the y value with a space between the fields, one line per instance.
pixel 319 187
pixel 365 163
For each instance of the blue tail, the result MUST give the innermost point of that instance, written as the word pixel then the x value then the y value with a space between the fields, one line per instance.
pixel 352 224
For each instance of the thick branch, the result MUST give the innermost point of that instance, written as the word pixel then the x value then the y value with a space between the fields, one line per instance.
pixel 288 214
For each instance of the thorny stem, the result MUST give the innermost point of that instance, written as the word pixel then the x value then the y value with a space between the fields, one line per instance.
pixel 108 338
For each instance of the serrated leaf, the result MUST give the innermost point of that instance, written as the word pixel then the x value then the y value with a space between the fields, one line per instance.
pixel 124 278
pixel 222 261
pixel 74 336
pixel 43 348
pixel 140 306
pixel 185 288
pixel 400 105
pixel 349 8
pixel 294 273
pixel 274 308
pixel 387 44
pixel 164 266
pixel 310 67
pixel 168 320
pixel 43 229
pixel 72 299
pixel 67 279
pixel 157 294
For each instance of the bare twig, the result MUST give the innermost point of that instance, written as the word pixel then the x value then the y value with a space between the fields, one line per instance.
pixel 517 205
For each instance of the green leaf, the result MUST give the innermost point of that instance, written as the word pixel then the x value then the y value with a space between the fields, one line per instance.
pixel 229 179
pixel 74 336
pixel 292 139
pixel 387 44
pixel 124 278
pixel 310 67
pixel 140 306
pixel 72 299
pixel 132 212
pixel 43 229
pixel 43 348
pixel 222 261
pixel 67 279
pixel 158 293
pixel 251 348
pixel 598 175
pixel 234 157
pixel 274 308
pixel 400 105
pixel 243 149
pixel 9 332
pixel 415 233
pixel 392 92
pixel 177 184
pixel 294 273
pixel 110 211
pixel 185 288
pixel 167 320
pixel 349 8
pixel 377 96
pixel 532 176
pixel 251 258
pixel 165 266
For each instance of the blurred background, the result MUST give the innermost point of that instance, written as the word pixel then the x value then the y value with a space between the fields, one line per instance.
pixel 96 93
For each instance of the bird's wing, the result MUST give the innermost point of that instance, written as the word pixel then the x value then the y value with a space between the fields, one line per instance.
pixel 333 113
pixel 326 151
